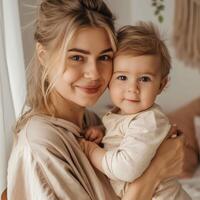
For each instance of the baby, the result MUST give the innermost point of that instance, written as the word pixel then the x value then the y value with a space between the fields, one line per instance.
pixel 136 126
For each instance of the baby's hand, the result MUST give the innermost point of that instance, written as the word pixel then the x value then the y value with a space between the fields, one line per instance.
pixel 95 134
pixel 87 146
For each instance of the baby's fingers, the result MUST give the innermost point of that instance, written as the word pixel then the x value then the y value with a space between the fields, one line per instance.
pixel 87 134
pixel 97 140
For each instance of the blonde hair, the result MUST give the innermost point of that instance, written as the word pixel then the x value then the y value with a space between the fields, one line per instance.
pixel 57 22
pixel 144 39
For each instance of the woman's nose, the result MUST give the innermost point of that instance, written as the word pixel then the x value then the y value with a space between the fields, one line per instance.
pixel 91 71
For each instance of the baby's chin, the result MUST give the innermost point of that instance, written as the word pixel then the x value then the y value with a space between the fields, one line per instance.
pixel 133 110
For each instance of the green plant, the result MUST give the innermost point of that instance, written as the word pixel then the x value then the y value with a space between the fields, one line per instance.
pixel 159 7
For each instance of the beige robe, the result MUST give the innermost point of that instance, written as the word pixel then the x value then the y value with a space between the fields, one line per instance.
pixel 47 163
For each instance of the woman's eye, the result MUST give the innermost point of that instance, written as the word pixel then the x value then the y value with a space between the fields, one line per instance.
pixel 105 58
pixel 77 58
pixel 122 78
pixel 144 79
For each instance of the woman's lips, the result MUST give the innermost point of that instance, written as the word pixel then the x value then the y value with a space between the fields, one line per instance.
pixel 89 89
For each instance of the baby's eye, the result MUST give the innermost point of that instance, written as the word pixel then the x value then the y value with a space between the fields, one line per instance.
pixel 122 78
pixel 105 58
pixel 77 58
pixel 145 79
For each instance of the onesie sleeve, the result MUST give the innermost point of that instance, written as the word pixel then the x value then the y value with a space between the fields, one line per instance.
pixel 142 137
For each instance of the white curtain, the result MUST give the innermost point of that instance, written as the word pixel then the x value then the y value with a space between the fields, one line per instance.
pixel 12 79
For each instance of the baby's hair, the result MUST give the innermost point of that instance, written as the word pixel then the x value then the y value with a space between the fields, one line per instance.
pixel 144 39
pixel 56 24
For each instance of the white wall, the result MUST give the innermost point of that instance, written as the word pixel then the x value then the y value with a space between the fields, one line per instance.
pixel 185 81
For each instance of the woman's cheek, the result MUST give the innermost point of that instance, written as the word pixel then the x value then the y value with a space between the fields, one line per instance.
pixel 110 72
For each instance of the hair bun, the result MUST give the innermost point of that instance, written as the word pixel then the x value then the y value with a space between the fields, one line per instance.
pixel 94 5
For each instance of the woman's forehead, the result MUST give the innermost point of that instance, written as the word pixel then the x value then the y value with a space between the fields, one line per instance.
pixel 91 39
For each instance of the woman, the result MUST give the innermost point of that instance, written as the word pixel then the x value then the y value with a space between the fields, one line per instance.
pixel 75 43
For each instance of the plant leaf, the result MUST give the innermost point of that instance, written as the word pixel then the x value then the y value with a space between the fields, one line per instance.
pixel 160 18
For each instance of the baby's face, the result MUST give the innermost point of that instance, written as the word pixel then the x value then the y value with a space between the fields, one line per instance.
pixel 135 83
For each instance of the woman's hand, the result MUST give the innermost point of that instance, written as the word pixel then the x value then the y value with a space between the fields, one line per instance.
pixel 186 151
pixel 170 158
pixel 190 162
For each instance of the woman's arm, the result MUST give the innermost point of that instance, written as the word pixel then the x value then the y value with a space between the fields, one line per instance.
pixel 184 118
pixel 167 163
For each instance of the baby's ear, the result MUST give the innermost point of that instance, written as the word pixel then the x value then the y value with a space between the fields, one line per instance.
pixel 163 83
pixel 41 53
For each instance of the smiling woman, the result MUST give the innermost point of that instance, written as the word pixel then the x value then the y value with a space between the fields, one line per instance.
pixel 72 67
pixel 88 67
pixel 86 72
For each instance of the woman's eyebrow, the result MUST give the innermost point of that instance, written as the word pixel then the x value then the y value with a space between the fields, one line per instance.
pixel 88 52
pixel 107 50
pixel 79 50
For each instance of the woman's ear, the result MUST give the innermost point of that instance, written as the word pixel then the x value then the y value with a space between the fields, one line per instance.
pixel 163 83
pixel 41 53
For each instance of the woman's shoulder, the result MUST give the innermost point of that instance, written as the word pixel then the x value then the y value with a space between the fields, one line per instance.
pixel 39 128
pixel 46 136
pixel 45 132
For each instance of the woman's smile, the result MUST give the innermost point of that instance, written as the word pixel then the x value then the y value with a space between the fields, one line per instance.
pixel 89 89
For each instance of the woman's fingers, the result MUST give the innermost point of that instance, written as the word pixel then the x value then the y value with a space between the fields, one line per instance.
pixel 186 156
pixel 170 157
pixel 174 132
pixel 190 162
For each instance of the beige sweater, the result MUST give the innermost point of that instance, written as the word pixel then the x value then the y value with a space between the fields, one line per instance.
pixel 47 163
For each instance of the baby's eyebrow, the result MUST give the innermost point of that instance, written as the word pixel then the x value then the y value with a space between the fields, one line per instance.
pixel 120 72
pixel 149 74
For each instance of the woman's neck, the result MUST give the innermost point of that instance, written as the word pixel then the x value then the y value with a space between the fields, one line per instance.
pixel 68 110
